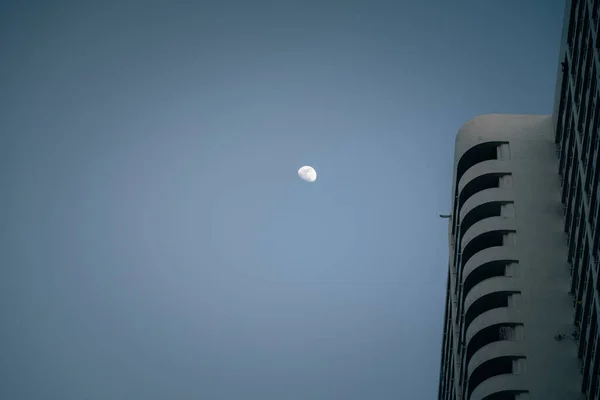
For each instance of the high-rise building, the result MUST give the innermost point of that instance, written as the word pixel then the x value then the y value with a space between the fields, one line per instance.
pixel 576 117
pixel 523 294
pixel 509 316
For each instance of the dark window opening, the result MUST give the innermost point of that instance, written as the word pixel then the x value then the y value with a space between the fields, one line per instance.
pixel 488 270
pixel 486 303
pixel 489 369
pixel 572 20
pixel 507 395
pixel 593 387
pixel 491 334
pixel 481 242
pixel 588 351
pixel 475 155
pixel 483 211
pixel 487 181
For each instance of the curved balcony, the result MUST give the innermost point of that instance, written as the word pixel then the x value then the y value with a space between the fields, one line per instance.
pixel 482 239
pixel 488 225
pixel 503 348
pixel 483 265
pixel 474 154
pixel 479 181
pixel 501 365
pixel 502 315
pixel 490 286
pixel 488 295
pixel 491 195
pixel 499 384
pixel 485 211
pixel 489 255
pixel 479 184
pixel 492 334
pixel 487 167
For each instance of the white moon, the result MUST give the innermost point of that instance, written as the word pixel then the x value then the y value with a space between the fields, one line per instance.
pixel 307 173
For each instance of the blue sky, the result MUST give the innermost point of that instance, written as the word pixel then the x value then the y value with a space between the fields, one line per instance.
pixel 155 240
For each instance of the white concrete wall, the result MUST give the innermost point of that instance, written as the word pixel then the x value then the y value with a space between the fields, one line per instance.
pixel 550 370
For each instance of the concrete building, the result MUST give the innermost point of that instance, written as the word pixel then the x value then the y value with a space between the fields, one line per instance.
pixel 521 318
pixel 508 285
pixel 576 119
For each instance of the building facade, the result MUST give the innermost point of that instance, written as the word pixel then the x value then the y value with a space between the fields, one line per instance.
pixel 521 318
pixel 576 117
pixel 509 316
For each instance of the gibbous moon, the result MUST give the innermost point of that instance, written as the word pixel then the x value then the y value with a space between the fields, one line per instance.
pixel 307 173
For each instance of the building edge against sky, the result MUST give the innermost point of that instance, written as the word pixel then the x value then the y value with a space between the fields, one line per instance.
pixel 521 318
pixel 508 284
